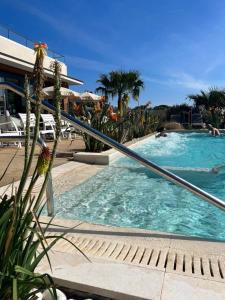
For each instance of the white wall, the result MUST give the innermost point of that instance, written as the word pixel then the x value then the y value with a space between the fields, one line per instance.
pixel 19 51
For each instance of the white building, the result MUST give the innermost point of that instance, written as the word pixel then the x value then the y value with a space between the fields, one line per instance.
pixel 16 60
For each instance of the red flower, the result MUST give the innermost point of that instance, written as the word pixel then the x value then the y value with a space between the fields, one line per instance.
pixel 40 45
pixel 36 45
pixel 43 161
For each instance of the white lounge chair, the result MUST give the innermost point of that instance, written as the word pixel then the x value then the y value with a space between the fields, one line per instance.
pixel 66 129
pixel 23 118
pixel 48 122
pixel 9 128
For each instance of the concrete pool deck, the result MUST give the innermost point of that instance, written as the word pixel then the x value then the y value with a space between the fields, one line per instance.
pixel 65 152
pixel 130 263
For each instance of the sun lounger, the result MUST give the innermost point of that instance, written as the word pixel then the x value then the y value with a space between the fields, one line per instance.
pixel 23 118
pixel 47 123
pixel 9 128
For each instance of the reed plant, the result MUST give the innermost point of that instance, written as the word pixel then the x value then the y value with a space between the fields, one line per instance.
pixel 23 242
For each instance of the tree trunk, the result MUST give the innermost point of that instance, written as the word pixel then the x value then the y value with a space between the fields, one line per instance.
pixel 106 97
pixel 120 104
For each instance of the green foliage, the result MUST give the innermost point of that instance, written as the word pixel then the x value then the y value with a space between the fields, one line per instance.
pixel 136 123
pixel 101 121
pixel 179 108
pixel 161 107
pixel 121 84
pixel 121 125
pixel 211 103
pixel 141 122
pixel 210 100
pixel 20 238
pixel 105 88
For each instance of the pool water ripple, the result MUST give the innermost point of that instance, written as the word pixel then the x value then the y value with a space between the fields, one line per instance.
pixel 127 194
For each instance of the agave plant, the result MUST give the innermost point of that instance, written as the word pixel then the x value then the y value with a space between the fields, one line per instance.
pixel 23 243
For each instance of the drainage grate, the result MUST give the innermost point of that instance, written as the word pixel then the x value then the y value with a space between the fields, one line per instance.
pixel 178 261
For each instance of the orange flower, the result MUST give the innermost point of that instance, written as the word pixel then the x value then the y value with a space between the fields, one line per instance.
pixel 97 107
pixel 103 98
pixel 40 45
pixel 77 108
pixel 110 110
pixel 114 117
pixel 40 49
pixel 44 45
pixel 36 45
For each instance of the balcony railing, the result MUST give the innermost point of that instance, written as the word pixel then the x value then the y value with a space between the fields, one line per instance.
pixel 17 37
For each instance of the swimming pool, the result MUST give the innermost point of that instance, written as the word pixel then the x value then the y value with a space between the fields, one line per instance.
pixel 127 194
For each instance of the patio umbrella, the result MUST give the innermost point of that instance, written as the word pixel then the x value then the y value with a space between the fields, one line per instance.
pixel 90 97
pixel 49 92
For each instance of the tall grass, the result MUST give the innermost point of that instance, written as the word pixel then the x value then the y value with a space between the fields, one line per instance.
pixel 23 243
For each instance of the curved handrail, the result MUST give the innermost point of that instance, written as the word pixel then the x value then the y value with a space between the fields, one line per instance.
pixel 126 151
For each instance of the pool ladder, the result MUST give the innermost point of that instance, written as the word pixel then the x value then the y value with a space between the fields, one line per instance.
pixel 122 149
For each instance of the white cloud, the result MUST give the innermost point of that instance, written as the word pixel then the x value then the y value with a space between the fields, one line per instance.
pixel 88 64
pixel 188 81
pixel 181 79
pixel 214 65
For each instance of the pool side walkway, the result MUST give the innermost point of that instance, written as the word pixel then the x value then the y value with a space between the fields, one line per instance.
pixel 131 263
pixel 65 151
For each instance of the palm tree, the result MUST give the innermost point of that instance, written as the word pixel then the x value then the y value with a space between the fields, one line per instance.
pixel 105 87
pixel 201 99
pixel 125 84
pixel 125 101
pixel 212 101
pixel 121 84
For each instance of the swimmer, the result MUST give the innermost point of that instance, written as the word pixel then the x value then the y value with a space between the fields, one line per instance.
pixel 216 169
pixel 213 130
pixel 161 132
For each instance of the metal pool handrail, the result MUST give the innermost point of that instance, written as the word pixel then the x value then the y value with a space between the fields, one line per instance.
pixel 126 151
pixel 132 154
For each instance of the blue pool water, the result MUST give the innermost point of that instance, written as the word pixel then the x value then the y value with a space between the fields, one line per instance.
pixel 127 194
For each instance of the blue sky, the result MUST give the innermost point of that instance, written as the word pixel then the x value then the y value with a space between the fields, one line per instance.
pixel 178 46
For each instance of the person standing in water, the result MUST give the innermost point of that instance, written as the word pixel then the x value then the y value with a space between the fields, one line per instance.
pixel 213 130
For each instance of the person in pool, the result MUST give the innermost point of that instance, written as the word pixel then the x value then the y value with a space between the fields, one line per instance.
pixel 213 130
pixel 161 132
pixel 217 169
